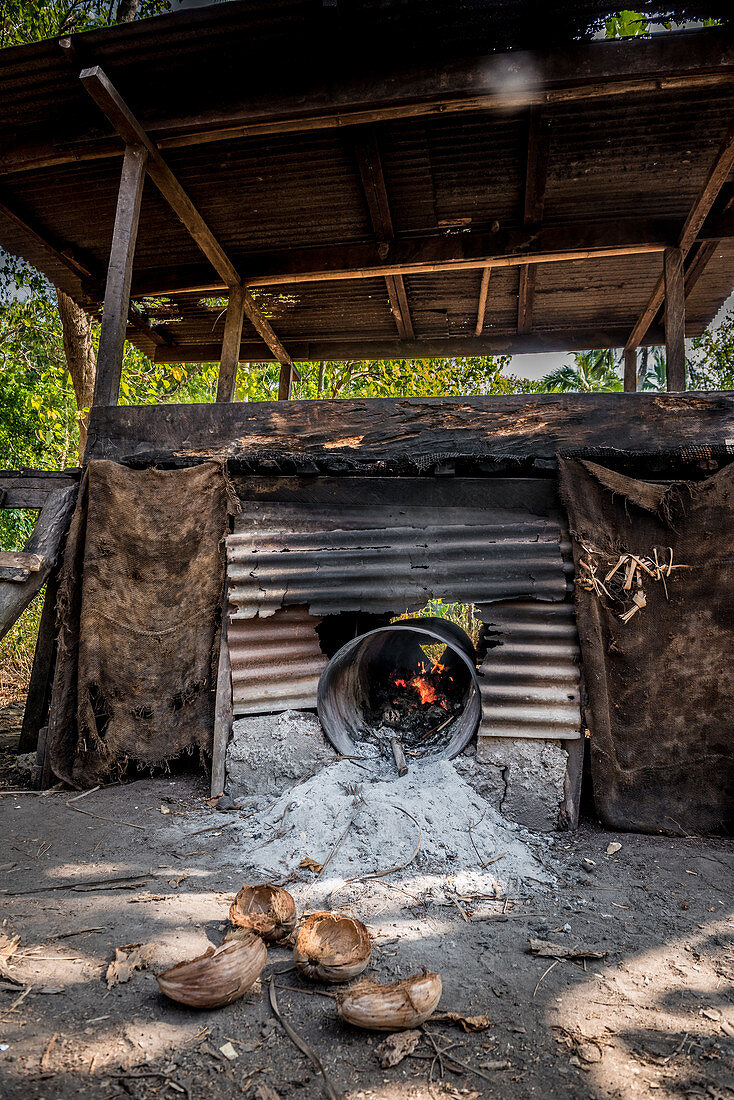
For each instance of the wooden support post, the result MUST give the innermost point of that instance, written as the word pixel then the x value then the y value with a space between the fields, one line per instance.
pixel 119 276
pixel 630 369
pixel 675 319
pixel 231 344
pixel 285 382
pixel 222 706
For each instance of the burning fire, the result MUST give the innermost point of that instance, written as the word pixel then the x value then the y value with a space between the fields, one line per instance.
pixel 422 685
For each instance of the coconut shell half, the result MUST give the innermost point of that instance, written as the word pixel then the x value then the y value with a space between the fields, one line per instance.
pixel 219 976
pixel 266 910
pixel 398 1006
pixel 332 948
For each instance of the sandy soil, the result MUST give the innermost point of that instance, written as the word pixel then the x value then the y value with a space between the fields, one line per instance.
pixel 654 1018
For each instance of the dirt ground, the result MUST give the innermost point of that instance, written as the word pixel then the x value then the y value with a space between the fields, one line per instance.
pixel 654 1018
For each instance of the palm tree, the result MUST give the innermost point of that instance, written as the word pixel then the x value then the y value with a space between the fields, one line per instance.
pixel 652 377
pixel 594 371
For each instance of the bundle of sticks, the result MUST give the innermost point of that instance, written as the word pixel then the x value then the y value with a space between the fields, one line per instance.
pixel 626 577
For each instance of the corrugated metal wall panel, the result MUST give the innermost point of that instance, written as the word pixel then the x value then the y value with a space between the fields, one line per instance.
pixel 530 682
pixel 393 568
pixel 276 662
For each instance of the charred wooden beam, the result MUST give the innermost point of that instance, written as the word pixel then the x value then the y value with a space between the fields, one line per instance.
pixel 361 432
pixel 119 277
pixel 30 488
pixel 536 176
pixel 372 176
pixel 582 71
pixel 130 130
pixel 675 319
pixel 718 174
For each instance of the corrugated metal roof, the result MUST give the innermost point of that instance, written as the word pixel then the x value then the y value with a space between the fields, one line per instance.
pixel 398 564
pixel 616 154
pixel 530 681
pixel 276 662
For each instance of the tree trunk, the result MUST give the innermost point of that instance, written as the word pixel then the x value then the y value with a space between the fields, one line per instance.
pixel 127 10
pixel 79 349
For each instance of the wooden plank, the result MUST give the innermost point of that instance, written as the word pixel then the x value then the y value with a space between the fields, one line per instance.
pixel 718 174
pixel 108 99
pixel 231 344
pixel 482 304
pixel 412 431
pixel 46 540
pixel 630 369
pixel 17 565
pixel 369 161
pixel 119 277
pixel 359 347
pixel 222 708
pixel 675 320
pixel 581 72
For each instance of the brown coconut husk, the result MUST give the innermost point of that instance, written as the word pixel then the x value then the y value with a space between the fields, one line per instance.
pixel 332 948
pixel 267 910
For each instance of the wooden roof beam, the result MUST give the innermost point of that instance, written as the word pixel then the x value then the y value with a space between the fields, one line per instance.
pixel 482 306
pixel 111 103
pixel 372 176
pixel 718 174
pixel 468 251
pixel 536 176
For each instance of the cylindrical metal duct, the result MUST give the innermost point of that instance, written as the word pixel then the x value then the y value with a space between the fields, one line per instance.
pixel 344 687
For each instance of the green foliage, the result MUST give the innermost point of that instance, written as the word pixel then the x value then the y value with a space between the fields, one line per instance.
pixel 711 366
pixel 652 375
pixel 24 21
pixel 592 372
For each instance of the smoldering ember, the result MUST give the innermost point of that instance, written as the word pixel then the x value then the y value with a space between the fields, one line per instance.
pixel 366 617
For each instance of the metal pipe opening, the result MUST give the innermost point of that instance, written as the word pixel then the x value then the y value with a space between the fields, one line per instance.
pixel 414 681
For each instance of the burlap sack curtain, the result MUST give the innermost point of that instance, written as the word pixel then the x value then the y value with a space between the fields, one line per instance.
pixel 658 655
pixel 139 613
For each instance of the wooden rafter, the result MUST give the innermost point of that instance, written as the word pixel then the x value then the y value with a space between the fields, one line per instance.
pixel 111 103
pixel 431 253
pixel 718 174
pixel 482 305
pixel 536 175
pixel 369 161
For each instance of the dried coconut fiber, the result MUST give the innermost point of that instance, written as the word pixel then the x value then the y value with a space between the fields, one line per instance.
pixel 356 818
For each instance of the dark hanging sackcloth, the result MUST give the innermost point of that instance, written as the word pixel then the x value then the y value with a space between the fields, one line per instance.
pixel 660 686
pixel 139 611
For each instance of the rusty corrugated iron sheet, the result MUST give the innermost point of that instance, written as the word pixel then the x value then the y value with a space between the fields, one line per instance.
pixel 530 680
pixel 401 561
pixel 276 662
